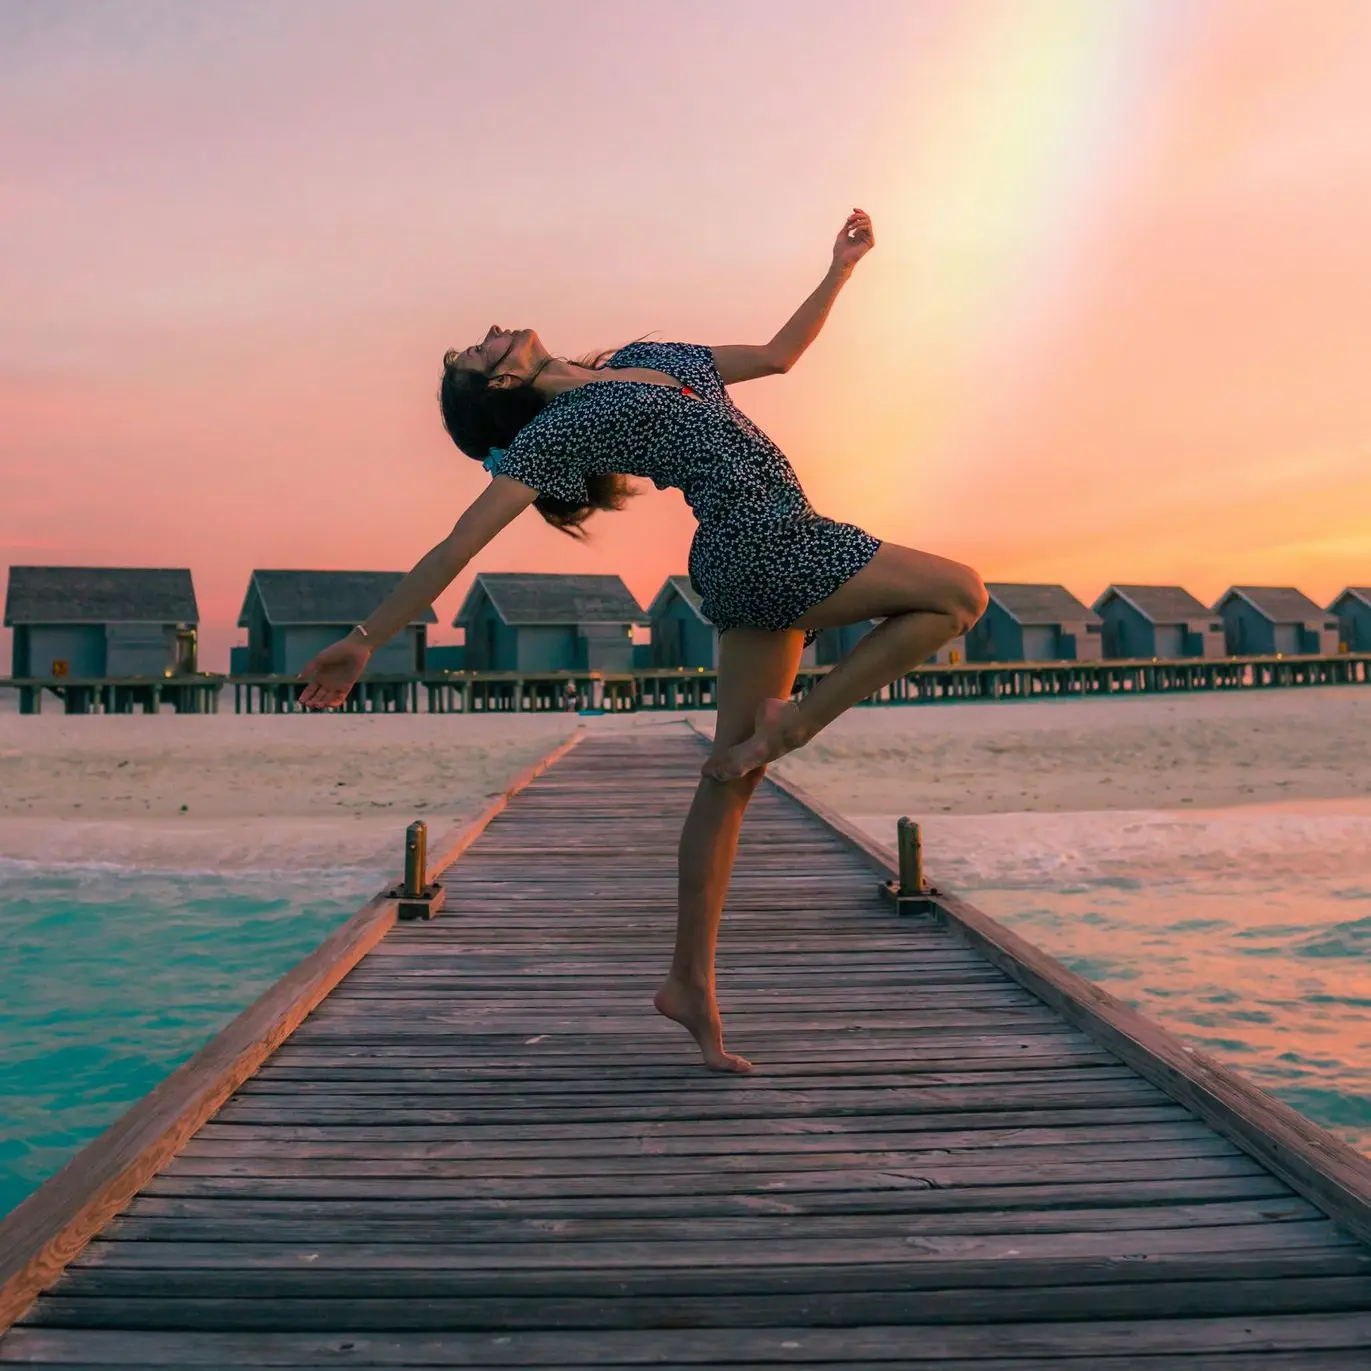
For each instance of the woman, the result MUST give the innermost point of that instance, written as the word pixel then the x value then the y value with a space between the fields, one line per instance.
pixel 563 436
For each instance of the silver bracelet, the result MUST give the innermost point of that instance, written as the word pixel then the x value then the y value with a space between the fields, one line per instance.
pixel 358 629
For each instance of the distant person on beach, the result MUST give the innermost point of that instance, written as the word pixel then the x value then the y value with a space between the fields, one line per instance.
pixel 564 437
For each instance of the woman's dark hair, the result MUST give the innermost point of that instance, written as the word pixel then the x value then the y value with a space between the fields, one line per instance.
pixel 479 418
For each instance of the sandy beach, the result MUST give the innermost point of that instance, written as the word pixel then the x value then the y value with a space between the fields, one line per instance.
pixel 304 791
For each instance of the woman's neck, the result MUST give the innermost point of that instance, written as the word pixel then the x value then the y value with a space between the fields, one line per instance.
pixel 558 376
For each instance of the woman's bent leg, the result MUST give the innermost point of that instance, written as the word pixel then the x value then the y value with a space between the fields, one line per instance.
pixel 754 666
pixel 925 602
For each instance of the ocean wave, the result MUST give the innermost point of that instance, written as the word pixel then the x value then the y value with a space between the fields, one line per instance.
pixel 13 867
pixel 1351 939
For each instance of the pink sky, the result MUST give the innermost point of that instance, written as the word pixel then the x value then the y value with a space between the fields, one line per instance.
pixel 1116 325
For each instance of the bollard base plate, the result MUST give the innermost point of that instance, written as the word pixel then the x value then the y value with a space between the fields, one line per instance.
pixel 921 902
pixel 424 905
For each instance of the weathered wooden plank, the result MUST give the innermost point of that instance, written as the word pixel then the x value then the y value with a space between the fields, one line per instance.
pixel 942 1249
pixel 627 1165
pixel 1303 1360
pixel 912 1344
pixel 248 1219
pixel 226 1144
pixel 313 1064
pixel 1321 1360
pixel 812 1126
pixel 836 998
pixel 1029 1195
pixel 922 1174
pixel 503 1313
pixel 874 1054
pixel 418 1282
pixel 338 1019
pixel 754 1105
pixel 496 1093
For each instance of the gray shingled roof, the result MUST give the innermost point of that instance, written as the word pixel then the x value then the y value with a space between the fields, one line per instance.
pixel 681 585
pixel 525 597
pixel 323 597
pixel 1280 604
pixel 1032 604
pixel 1363 593
pixel 1161 604
pixel 99 595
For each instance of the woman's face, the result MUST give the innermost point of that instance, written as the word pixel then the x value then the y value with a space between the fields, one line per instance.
pixel 509 357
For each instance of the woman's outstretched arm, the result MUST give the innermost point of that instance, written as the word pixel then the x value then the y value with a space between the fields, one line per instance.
pixel 745 363
pixel 335 670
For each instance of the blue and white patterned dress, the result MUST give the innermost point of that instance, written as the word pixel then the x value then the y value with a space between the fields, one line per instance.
pixel 761 556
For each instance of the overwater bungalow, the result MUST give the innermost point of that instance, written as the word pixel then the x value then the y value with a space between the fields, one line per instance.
pixel 538 622
pixel 1353 611
pixel 101 622
pixel 1166 622
pixel 681 635
pixel 1035 623
pixel 1263 621
pixel 292 615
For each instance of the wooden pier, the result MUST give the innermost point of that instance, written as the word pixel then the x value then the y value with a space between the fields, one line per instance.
pixel 680 688
pixel 468 1141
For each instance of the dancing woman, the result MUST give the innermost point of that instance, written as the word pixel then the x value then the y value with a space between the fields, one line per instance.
pixel 563 437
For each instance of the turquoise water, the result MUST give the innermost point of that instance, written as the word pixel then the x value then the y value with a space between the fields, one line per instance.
pixel 1244 931
pixel 114 977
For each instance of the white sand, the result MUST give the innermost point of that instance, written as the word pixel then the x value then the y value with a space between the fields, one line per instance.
pixel 267 791
pixel 1157 752
pixel 303 791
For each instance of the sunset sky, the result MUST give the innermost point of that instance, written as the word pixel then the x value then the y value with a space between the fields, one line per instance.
pixel 1116 326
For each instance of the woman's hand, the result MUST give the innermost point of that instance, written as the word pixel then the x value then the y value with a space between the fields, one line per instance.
pixel 855 240
pixel 333 673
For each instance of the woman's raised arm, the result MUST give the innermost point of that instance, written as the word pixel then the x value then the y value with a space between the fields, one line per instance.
pixel 335 670
pixel 744 362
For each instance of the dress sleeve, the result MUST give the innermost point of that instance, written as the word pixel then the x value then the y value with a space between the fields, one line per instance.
pixel 693 363
pixel 543 457
pixel 690 363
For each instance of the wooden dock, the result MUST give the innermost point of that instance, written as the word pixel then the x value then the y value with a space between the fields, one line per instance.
pixel 681 688
pixel 481 1149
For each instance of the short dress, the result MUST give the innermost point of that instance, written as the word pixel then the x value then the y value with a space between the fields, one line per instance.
pixel 761 557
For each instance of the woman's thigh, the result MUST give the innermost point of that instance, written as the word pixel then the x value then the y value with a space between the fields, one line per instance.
pixel 754 665
pixel 900 580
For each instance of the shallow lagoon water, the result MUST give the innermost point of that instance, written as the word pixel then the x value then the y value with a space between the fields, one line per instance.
pixel 113 977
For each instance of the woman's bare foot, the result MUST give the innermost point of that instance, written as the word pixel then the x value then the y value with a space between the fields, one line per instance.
pixel 697 1010
pixel 778 729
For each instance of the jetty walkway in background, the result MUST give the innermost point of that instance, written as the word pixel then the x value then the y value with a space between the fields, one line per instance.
pixel 481 1149
pixel 466 692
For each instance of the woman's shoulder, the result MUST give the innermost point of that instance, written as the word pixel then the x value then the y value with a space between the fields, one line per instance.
pixel 637 353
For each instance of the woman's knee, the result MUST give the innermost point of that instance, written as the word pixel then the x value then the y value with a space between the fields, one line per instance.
pixel 966 598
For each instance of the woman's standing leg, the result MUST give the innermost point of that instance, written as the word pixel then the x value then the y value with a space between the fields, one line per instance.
pixel 754 666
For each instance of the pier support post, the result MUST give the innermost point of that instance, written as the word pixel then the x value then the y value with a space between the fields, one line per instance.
pixel 416 899
pixel 910 893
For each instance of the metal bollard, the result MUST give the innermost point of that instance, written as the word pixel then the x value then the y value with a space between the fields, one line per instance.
pixel 414 899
